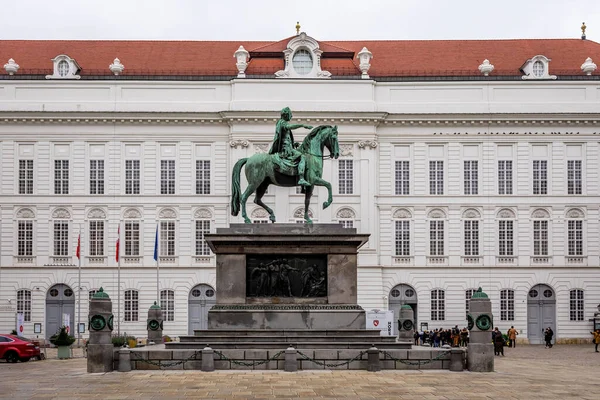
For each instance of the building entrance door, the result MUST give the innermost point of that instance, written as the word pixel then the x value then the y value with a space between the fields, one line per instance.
pixel 201 299
pixel 60 301
pixel 541 313
pixel 400 295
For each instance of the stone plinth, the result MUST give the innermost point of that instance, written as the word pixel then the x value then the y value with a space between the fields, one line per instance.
pixel 286 276
pixel 154 324
pixel 406 324
pixel 100 348
pixel 480 354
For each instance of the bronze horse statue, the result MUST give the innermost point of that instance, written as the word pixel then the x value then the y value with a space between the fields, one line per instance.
pixel 261 171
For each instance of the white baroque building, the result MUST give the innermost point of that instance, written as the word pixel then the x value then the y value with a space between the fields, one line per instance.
pixel 470 163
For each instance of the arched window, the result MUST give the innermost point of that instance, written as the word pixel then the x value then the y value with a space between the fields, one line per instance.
pixel 60 225
pixel 575 234
pixel 506 233
pixel 471 232
pixel 438 305
pixel 576 305
pixel 96 223
pixel 203 218
pixel 302 62
pixel 259 216
pixel 402 219
pixel 167 233
pixel 346 216
pixel 167 304
pixel 131 305
pixel 541 221
pixel 25 219
pixel 132 227
pixel 507 305
pixel 24 304
pixel 437 233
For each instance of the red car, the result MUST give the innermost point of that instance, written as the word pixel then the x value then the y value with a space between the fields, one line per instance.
pixel 14 348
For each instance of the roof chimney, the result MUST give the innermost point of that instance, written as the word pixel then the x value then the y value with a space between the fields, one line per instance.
pixel 583 31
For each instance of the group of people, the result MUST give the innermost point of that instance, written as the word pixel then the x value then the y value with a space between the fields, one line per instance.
pixel 454 337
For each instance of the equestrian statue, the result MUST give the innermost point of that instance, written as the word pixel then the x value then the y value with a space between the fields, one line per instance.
pixel 287 164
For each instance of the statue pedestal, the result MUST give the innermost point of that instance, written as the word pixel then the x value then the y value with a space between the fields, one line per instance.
pixel 286 276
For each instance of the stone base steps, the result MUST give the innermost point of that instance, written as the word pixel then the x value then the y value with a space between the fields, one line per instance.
pixel 283 339
pixel 305 344
pixel 288 332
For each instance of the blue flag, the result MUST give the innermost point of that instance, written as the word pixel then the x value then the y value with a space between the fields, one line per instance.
pixel 156 245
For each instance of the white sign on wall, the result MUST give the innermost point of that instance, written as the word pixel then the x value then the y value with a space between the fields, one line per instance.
pixel 381 320
pixel 20 323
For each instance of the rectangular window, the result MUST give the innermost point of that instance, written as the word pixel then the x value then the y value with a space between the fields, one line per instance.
pixel 507 305
pixel 167 304
pixel 471 238
pixel 576 305
pixel 24 304
pixel 436 177
pixel 468 295
pixel 540 238
pixel 25 176
pixel 132 176
pixel 96 238
pixel 471 177
pixel 202 177
pixel 96 176
pixel 202 228
pixel 347 223
pixel 132 238
pixel 505 238
pixel 575 235
pixel 25 238
pixel 505 177
pixel 131 306
pixel 167 238
pixel 61 176
pixel 574 176
pixel 402 178
pixel 402 238
pixel 346 176
pixel 438 308
pixel 167 176
pixel 436 238
pixel 61 238
pixel 540 177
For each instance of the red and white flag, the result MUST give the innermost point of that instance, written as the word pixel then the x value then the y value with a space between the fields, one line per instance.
pixel 117 247
pixel 78 253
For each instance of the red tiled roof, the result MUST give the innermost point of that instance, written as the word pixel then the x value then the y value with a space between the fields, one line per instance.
pixel 390 58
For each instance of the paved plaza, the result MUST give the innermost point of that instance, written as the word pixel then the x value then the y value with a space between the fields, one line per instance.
pixel 527 372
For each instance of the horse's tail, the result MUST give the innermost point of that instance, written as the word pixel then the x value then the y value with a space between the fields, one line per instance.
pixel 235 186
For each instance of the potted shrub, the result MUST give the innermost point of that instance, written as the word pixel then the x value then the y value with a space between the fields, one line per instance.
pixel 63 341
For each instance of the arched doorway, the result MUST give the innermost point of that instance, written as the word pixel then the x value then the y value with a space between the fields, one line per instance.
pixel 541 312
pixel 400 295
pixel 201 299
pixel 60 300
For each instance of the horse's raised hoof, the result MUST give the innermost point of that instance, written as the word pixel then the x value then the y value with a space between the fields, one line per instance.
pixel 272 218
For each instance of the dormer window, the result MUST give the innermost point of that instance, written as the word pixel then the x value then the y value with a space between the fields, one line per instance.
pixel 302 62
pixel 302 59
pixel 65 67
pixel 537 68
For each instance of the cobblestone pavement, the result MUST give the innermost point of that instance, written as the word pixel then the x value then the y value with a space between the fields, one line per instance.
pixel 527 372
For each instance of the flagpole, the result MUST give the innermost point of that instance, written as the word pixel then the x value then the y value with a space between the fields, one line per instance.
pixel 157 265
pixel 79 287
pixel 118 255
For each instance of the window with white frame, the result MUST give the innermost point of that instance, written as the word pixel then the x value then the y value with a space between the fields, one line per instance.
pixel 202 228
pixel 436 238
pixel 540 177
pixel 202 177
pixel 25 238
pixel 167 176
pixel 61 238
pixel 24 304
pixel 61 176
pixel 91 294
pixel 25 176
pixel 167 304
pixel 507 305
pixel 345 174
pixel 471 176
pixel 346 216
pixel 505 238
pixel 167 238
pixel 468 296
pixel 132 238
pixel 302 62
pixel 402 241
pixel 96 176
pixel 96 235
pixel 540 237
pixel 576 305
pixel 132 176
pixel 438 305
pixel 574 177
pixel 402 178
pixel 471 240
pixel 505 177
pixel 575 237
pixel 131 306
pixel 436 177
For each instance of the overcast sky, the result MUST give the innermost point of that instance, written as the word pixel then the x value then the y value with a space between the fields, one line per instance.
pixel 274 20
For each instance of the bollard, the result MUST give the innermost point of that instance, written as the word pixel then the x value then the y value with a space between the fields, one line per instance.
pixel 124 360
pixel 154 324
pixel 100 348
pixel 291 360
pixel 456 360
pixel 208 359
pixel 406 324
pixel 480 350
pixel 373 360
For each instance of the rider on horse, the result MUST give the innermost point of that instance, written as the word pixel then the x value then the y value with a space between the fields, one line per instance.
pixel 284 145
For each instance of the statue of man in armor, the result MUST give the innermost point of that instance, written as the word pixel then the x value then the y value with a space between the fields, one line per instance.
pixel 284 145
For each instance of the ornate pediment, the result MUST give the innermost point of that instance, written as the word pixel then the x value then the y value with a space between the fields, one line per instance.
pixel 96 213
pixel 345 213
pixel 259 213
pixel 540 213
pixel 505 213
pixel 302 59
pixel 261 147
pixel 346 150
pixel 167 213
pixel 61 213
pixel 436 214
pixel 471 213
pixel 25 213
pixel 575 213
pixel 402 213
pixel 132 213
pixel 203 213
pixel 299 213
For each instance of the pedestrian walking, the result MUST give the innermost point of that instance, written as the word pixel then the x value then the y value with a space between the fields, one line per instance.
pixel 548 334
pixel 512 336
pixel 416 337
pixel 596 339
pixel 498 342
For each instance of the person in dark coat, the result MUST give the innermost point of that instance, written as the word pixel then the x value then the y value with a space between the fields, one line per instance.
pixel 498 342
pixel 548 334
